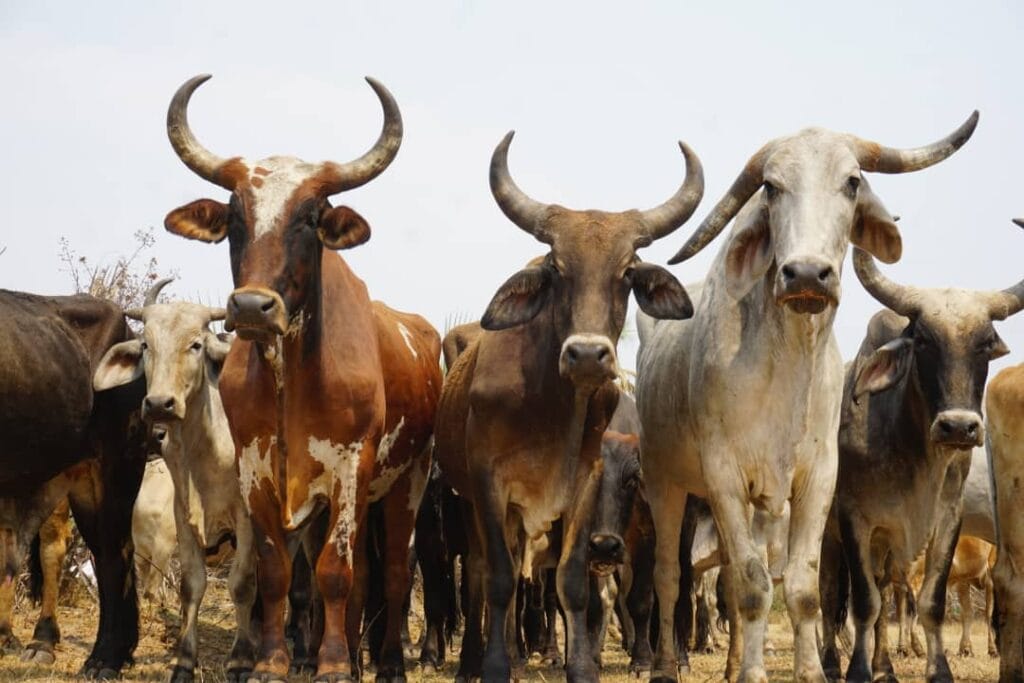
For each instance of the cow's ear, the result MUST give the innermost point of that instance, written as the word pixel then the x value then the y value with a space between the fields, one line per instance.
pixel 343 228
pixel 204 219
pixel 659 294
pixel 750 250
pixel 885 368
pixel 874 229
pixel 519 299
pixel 217 347
pixel 121 364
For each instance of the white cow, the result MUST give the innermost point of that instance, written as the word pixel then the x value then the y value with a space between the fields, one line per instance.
pixel 153 530
pixel 740 404
pixel 181 359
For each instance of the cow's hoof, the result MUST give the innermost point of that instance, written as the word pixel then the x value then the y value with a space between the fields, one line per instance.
pixel 754 674
pixel 993 651
pixel 302 665
pixel 966 651
pixel 335 677
pixel 181 674
pixel 9 644
pixel 237 674
pixel 266 677
pixel 663 678
pixel 39 653
pixel 97 671
pixel 918 649
pixel 553 661
pixel 639 674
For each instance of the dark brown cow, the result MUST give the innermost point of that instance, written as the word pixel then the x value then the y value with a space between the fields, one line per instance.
pixel 524 407
pixel 50 420
pixel 330 398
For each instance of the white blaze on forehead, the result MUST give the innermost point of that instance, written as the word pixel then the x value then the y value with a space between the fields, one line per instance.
pixel 341 465
pixel 254 467
pixel 407 336
pixel 271 183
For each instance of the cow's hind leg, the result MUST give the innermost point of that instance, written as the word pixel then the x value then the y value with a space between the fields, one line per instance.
pixel 963 591
pixel 881 664
pixel 273 578
pixel 833 583
pixel 53 546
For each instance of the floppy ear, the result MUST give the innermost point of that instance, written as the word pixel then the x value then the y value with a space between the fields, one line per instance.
pixel 885 368
pixel 216 347
pixel 343 228
pixel 204 219
pixel 659 294
pixel 998 348
pixel 874 229
pixel 121 364
pixel 750 251
pixel 519 299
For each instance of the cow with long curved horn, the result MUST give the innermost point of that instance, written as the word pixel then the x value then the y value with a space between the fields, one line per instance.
pixel 330 398
pixel 524 406
pixel 741 403
pixel 910 419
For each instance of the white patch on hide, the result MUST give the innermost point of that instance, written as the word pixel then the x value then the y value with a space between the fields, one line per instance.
pixel 407 336
pixel 387 441
pixel 341 464
pixel 254 467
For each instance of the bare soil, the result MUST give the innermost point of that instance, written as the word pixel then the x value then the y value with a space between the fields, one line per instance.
pixel 159 625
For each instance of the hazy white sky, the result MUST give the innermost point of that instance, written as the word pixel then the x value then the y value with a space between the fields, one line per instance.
pixel 597 92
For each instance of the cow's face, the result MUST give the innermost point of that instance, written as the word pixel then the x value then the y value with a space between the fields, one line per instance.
pixel 946 349
pixel 620 483
pixel 177 353
pixel 804 200
pixel 276 223
pixel 583 282
pixel 278 218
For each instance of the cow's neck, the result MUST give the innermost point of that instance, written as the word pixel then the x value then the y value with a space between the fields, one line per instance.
pixel 206 421
pixel 773 329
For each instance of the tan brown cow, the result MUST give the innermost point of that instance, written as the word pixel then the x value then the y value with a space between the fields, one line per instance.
pixel 525 405
pixel 330 398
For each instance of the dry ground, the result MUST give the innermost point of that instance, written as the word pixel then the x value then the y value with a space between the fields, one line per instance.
pixel 158 625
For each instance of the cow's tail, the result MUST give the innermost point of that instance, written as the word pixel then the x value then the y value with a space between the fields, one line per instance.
pixel 842 594
pixel 35 571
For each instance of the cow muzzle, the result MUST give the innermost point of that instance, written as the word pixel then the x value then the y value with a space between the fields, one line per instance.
pixel 807 286
pixel 256 314
pixel 606 552
pixel 588 359
pixel 958 429
pixel 161 408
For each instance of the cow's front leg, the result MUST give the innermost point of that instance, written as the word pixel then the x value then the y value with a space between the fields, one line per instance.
pixel 864 596
pixel 809 512
pixel 191 591
pixel 668 503
pixel 751 583
pixel 273 578
pixel 490 508
pixel 931 603
pixel 242 585
pixel 832 580
pixel 963 592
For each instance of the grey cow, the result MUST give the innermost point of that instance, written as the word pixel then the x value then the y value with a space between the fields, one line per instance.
pixel 741 403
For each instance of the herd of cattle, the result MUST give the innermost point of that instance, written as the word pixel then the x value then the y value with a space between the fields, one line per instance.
pixel 323 442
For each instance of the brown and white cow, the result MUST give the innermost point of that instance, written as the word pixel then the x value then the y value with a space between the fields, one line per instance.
pixel 911 415
pixel 330 398
pixel 741 403
pixel 525 405
pixel 181 359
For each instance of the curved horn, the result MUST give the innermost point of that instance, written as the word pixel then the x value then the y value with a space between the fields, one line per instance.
pixel 1011 300
pixel 874 157
pixel 135 314
pixel 1019 222
pixel 154 291
pixel 743 188
pixel 202 161
pixel 663 219
pixel 340 177
pixel 218 314
pixel 899 298
pixel 520 209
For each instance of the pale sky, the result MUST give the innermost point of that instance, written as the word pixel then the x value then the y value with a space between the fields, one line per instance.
pixel 597 92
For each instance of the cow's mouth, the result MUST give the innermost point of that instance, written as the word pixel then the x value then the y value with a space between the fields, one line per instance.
pixel 603 567
pixel 257 333
pixel 805 302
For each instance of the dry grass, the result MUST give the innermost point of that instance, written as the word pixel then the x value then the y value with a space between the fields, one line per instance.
pixel 159 625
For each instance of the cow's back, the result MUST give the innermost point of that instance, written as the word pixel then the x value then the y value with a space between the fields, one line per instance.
pixel 48 349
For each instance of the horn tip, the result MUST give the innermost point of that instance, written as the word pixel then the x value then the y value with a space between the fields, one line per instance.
pixel 681 255
pixel 1019 222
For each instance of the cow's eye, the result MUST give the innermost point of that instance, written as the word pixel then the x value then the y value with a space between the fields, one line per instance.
pixel 196 347
pixel 628 275
pixel 143 345
pixel 852 183
pixel 770 190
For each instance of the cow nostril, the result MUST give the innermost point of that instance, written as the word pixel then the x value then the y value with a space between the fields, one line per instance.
pixel 267 305
pixel 788 272
pixel 602 355
pixel 169 404
pixel 945 426
pixel 572 354
pixel 825 273
pixel 972 429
